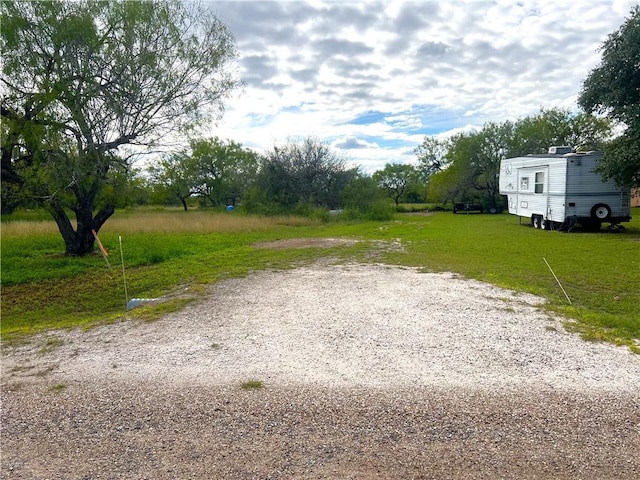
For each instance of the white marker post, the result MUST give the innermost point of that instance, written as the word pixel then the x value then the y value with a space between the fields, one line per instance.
pixel 124 278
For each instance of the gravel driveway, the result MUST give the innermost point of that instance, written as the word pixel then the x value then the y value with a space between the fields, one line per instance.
pixel 369 371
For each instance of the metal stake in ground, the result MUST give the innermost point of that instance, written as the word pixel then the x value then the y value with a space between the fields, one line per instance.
pixel 124 278
pixel 554 276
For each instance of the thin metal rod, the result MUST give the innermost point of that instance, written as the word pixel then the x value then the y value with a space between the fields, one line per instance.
pixel 103 250
pixel 124 278
pixel 554 276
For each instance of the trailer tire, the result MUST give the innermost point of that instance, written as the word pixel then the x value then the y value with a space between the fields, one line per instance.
pixel 545 224
pixel 537 221
pixel 601 211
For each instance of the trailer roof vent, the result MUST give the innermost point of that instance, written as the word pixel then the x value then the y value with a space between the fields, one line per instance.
pixel 560 150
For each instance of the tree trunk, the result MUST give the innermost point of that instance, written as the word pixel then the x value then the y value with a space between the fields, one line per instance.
pixel 64 224
pixel 183 201
pixel 494 193
pixel 81 241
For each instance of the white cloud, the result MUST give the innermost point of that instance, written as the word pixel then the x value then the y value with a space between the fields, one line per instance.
pixel 352 143
pixel 428 67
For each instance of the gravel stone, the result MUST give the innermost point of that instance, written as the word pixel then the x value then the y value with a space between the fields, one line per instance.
pixel 369 371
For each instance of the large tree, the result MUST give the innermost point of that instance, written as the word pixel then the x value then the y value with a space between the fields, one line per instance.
pixel 176 174
pixel 225 170
pixel 474 158
pixel 395 178
pixel 555 126
pixel 306 173
pixel 82 81
pixel 613 88
pixel 432 156
pixel 474 165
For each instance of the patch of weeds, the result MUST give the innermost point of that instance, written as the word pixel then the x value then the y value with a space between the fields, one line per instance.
pixel 590 333
pixel 155 311
pixel 252 385
pixel 58 387
pixel 197 289
pixel 50 344
pixel 216 346
pixel 550 328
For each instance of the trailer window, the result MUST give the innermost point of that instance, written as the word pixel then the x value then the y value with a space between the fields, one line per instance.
pixel 524 183
pixel 539 187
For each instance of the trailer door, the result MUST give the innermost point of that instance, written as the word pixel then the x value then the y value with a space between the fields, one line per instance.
pixel 533 198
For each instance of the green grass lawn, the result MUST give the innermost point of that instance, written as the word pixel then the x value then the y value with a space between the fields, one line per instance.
pixel 170 253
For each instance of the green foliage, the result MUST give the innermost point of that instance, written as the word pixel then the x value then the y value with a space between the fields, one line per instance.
pixel 23 214
pixel 126 188
pixel 85 80
pixel 473 159
pixel 621 159
pixel 613 88
pixel 364 200
pixel 432 156
pixel 224 170
pixel 445 186
pixel 306 172
pixel 12 198
pixel 536 133
pixel 378 211
pixel 218 172
pixel 175 174
pixel 395 179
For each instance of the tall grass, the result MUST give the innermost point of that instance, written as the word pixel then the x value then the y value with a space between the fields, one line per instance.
pixel 199 222
pixel 26 228
pixel 164 222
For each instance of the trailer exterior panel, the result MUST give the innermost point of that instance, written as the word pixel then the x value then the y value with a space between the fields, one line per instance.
pixel 559 190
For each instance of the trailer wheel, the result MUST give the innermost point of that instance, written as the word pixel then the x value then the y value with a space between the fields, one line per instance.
pixel 537 221
pixel 601 211
pixel 545 224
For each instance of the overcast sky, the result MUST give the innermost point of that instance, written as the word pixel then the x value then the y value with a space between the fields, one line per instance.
pixel 372 78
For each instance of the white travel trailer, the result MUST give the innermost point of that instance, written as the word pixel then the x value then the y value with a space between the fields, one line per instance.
pixel 560 189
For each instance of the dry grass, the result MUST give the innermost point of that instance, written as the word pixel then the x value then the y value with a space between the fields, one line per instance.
pixel 198 222
pixel 27 228
pixel 164 222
